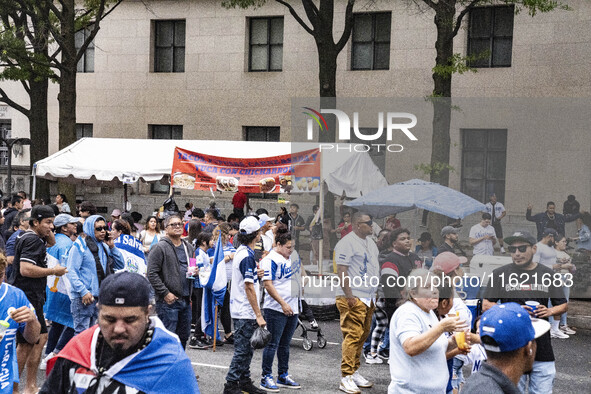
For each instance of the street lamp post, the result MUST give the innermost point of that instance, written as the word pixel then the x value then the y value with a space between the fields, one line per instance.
pixel 10 143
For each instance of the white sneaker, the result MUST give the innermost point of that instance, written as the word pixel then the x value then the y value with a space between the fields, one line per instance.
pixel 348 385
pixel 558 334
pixel 43 364
pixel 373 359
pixel 360 381
pixel 503 250
pixel 567 330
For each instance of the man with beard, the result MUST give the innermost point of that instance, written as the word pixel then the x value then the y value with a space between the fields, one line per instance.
pixel 508 336
pixel 450 241
pixel 527 281
pixel 549 219
pixel 129 350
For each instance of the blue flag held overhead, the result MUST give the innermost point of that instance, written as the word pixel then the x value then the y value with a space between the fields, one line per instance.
pixel 214 280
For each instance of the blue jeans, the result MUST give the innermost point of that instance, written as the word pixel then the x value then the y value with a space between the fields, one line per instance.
pixel 567 296
pixel 386 340
pixel 84 315
pixel 541 378
pixel 58 337
pixel 176 317
pixel 281 328
pixel 457 378
pixel 240 366
pixel 367 343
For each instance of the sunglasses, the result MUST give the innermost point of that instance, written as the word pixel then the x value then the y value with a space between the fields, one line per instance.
pixel 178 224
pixel 103 228
pixel 521 248
pixel 369 222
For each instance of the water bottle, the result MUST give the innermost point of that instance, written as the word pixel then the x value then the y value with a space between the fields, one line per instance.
pixel 3 327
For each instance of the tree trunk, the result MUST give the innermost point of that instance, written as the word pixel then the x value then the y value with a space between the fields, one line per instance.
pixel 38 130
pixel 440 141
pixel 67 93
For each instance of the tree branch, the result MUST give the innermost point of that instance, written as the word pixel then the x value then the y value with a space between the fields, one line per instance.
pixel 348 26
pixel 461 15
pixel 296 16
pixel 5 99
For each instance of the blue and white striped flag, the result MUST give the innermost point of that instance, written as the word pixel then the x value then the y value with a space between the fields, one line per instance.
pixel 214 280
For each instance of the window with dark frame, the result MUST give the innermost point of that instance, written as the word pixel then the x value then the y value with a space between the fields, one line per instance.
pixel 83 130
pixel 490 36
pixel 86 62
pixel 265 44
pixel 484 159
pixel 169 46
pixel 371 41
pixel 164 132
pixel 5 132
pixel 264 134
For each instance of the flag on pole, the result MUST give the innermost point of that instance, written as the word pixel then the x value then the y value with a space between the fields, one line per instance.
pixel 213 279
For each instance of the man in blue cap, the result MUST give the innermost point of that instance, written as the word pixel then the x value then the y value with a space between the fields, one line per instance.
pixel 129 350
pixel 507 333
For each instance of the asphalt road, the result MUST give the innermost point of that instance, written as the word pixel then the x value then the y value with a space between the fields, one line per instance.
pixel 318 370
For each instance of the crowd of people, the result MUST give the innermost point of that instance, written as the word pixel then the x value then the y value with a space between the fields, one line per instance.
pixel 112 316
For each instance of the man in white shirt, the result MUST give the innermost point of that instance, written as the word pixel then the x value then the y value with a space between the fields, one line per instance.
pixel 356 256
pixel 483 236
pixel 545 252
pixel 497 212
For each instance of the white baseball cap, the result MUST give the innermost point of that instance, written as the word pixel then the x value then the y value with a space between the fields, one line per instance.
pixel 249 225
pixel 264 218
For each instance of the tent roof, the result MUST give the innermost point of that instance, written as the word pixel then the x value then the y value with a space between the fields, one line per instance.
pixel 111 160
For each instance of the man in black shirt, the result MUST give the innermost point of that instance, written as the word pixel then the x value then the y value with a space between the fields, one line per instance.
pixel 522 281
pixel 30 274
pixel 450 241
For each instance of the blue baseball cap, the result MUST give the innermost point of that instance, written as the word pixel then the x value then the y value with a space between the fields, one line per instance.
pixel 510 326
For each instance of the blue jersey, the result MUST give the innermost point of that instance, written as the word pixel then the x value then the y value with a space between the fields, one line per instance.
pixel 10 297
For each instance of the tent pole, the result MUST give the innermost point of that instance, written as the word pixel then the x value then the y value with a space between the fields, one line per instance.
pixel 321 218
pixel 125 197
pixel 34 182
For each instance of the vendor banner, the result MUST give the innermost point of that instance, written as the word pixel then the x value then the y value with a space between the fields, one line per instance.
pixel 296 172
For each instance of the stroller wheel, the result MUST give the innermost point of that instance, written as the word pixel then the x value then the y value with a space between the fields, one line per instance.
pixel 307 344
pixel 321 341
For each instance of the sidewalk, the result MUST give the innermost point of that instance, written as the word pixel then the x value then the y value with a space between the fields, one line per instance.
pixel 579 314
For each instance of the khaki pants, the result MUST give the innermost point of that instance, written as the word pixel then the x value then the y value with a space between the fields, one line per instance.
pixel 355 325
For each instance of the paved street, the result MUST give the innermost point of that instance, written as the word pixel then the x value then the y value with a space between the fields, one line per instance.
pixel 318 370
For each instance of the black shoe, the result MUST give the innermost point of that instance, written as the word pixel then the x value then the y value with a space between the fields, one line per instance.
pixel 384 354
pixel 249 387
pixel 232 388
pixel 196 343
pixel 229 340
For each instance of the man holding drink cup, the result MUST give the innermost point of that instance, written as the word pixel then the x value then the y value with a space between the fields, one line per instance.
pixel 531 285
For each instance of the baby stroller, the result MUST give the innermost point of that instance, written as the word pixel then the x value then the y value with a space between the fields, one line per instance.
pixel 306 313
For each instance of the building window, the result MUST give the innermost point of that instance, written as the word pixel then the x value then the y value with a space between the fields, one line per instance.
pixel 371 41
pixel 169 46
pixel 164 132
pixel 86 62
pixel 83 130
pixel 484 157
pixel 255 133
pixel 266 44
pixel 490 36
pixel 5 133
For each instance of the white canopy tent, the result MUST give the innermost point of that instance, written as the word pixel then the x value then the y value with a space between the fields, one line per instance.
pixel 114 160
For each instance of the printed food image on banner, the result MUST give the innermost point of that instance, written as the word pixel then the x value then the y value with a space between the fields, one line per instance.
pixel 275 174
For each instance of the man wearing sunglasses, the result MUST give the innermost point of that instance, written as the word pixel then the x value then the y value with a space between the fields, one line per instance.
pixel 91 259
pixel 525 280
pixel 356 256
pixel 168 264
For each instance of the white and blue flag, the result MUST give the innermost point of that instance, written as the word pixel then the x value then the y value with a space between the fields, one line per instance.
pixel 133 253
pixel 213 279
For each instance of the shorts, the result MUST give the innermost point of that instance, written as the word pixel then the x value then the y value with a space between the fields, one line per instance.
pixel 498 229
pixel 37 300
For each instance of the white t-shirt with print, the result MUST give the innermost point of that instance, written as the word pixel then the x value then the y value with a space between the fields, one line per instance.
pixel 499 209
pixel 278 269
pixel 244 270
pixel 361 257
pixel 486 246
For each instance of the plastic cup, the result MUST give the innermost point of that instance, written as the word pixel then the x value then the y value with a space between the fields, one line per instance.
pixel 533 305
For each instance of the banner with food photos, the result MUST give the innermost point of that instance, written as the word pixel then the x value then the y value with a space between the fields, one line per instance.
pixel 296 172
